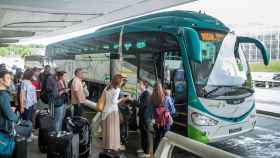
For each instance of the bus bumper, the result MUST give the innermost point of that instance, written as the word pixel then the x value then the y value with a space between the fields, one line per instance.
pixel 230 131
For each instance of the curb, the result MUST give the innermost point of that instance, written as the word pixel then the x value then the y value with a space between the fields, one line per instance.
pixel 274 114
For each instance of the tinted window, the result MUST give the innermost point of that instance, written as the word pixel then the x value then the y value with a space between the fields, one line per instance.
pixel 103 44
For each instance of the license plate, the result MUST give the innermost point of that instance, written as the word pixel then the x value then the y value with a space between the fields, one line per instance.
pixel 235 130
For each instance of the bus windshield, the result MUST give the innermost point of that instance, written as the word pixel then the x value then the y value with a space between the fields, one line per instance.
pixel 224 71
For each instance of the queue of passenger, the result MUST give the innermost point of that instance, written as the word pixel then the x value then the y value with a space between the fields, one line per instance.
pixel 156 108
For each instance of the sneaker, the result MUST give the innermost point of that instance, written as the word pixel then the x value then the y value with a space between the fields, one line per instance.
pixel 33 136
pixel 140 151
pixel 29 140
pixel 122 148
pixel 143 155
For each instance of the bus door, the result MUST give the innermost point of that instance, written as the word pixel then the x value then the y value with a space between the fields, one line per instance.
pixel 147 68
pixel 175 81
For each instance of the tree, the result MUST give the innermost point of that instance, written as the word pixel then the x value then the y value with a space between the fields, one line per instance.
pixel 4 51
pixel 18 50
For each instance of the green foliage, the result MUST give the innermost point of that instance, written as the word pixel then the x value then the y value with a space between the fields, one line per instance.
pixel 4 51
pixel 272 67
pixel 18 50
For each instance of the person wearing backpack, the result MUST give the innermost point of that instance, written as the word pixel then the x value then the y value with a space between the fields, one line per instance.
pixel 9 121
pixel 162 116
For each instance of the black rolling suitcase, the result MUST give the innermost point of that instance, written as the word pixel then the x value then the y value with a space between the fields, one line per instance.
pixel 41 113
pixel 45 124
pixel 21 148
pixel 63 145
pixel 80 125
pixel 68 113
pixel 109 154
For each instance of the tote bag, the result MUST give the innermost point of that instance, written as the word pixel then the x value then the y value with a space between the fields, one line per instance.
pixel 7 145
pixel 101 102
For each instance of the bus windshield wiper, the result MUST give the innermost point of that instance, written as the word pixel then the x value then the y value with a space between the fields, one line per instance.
pixel 207 94
pixel 250 90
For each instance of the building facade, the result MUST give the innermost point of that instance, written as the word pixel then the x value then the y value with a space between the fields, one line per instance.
pixel 270 38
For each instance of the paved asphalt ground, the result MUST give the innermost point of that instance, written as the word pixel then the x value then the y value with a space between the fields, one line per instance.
pixel 263 142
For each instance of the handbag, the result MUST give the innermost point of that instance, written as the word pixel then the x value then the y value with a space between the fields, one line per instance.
pixel 101 102
pixel 7 144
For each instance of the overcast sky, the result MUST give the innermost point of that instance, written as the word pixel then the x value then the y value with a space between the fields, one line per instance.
pixel 240 12
pixel 240 15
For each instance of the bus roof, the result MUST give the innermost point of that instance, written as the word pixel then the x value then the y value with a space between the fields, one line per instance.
pixel 181 18
pixel 169 19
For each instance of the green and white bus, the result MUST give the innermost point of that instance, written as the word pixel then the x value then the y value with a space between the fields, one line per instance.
pixel 193 54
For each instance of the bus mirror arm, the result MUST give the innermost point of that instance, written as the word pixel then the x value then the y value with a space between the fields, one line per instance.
pixel 260 45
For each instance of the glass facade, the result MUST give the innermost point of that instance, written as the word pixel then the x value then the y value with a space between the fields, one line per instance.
pixel 272 42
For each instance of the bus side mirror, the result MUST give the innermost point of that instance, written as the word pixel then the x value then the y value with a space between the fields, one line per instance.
pixel 260 45
pixel 193 44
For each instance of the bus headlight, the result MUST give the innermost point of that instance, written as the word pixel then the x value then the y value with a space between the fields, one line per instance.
pixel 202 120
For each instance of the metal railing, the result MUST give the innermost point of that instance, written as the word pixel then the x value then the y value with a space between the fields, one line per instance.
pixel 193 147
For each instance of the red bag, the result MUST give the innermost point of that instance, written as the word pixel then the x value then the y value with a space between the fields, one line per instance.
pixel 162 117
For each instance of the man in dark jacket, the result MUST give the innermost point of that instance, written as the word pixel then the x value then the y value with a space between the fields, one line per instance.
pixel 8 119
pixel 144 119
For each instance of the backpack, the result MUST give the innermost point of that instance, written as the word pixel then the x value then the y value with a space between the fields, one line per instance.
pixel 18 86
pixel 7 145
pixel 69 85
pixel 44 92
pixel 163 118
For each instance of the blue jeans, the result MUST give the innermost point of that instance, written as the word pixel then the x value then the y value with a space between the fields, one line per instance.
pixel 59 112
pixel 27 114
pixel 24 128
